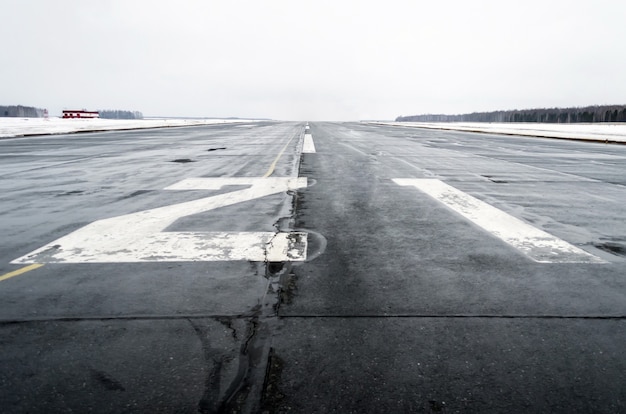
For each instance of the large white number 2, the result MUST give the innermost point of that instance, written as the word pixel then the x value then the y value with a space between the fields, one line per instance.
pixel 140 237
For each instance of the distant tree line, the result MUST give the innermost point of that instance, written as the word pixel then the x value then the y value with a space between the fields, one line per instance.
pixel 117 114
pixel 20 111
pixel 597 113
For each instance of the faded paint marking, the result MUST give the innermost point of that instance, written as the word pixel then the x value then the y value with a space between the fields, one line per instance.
pixel 20 271
pixel 141 236
pixel 309 146
pixel 270 171
pixel 536 244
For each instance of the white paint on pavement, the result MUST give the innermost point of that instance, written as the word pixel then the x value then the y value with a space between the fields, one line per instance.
pixel 537 244
pixel 141 236
pixel 309 146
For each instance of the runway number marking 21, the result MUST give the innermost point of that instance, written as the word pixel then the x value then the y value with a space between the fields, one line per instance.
pixel 540 246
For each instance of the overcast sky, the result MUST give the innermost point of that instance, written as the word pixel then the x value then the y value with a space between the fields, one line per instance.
pixel 311 60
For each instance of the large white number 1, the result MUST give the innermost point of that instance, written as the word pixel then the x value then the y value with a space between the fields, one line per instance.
pixel 140 237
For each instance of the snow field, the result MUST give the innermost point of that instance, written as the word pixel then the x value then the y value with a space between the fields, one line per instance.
pixel 604 132
pixel 18 127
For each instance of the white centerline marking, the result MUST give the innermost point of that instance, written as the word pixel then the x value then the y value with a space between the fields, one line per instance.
pixel 536 244
pixel 309 146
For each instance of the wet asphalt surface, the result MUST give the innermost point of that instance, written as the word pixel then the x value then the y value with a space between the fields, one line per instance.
pixel 403 305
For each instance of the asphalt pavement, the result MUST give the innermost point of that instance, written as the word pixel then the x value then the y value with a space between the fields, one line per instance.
pixel 388 297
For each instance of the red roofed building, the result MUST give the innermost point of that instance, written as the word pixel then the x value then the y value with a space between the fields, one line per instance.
pixel 80 114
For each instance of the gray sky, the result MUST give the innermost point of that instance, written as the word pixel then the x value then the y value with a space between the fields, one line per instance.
pixel 311 60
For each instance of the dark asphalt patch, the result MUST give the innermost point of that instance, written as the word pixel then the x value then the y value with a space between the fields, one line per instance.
pixel 618 249
pixel 106 381
pixel 135 194
pixel 74 192
pixel 489 177
pixel 275 267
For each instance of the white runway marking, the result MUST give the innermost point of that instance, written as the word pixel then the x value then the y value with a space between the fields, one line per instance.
pixel 141 236
pixel 537 244
pixel 309 146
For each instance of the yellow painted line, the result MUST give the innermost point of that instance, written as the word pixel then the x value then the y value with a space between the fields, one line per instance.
pixel 20 271
pixel 280 154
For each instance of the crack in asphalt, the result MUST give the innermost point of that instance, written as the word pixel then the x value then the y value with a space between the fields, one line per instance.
pixel 214 360
pixel 236 394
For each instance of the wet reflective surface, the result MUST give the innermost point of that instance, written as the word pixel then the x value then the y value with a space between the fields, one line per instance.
pixel 402 305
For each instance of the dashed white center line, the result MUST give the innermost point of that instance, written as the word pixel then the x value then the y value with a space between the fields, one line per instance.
pixel 309 146
pixel 536 244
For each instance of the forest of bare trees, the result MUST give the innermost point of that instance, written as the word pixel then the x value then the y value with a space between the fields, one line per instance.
pixel 20 111
pixel 590 114
pixel 117 114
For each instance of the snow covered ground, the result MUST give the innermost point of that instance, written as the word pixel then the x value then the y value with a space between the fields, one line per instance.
pixel 17 127
pixel 593 132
